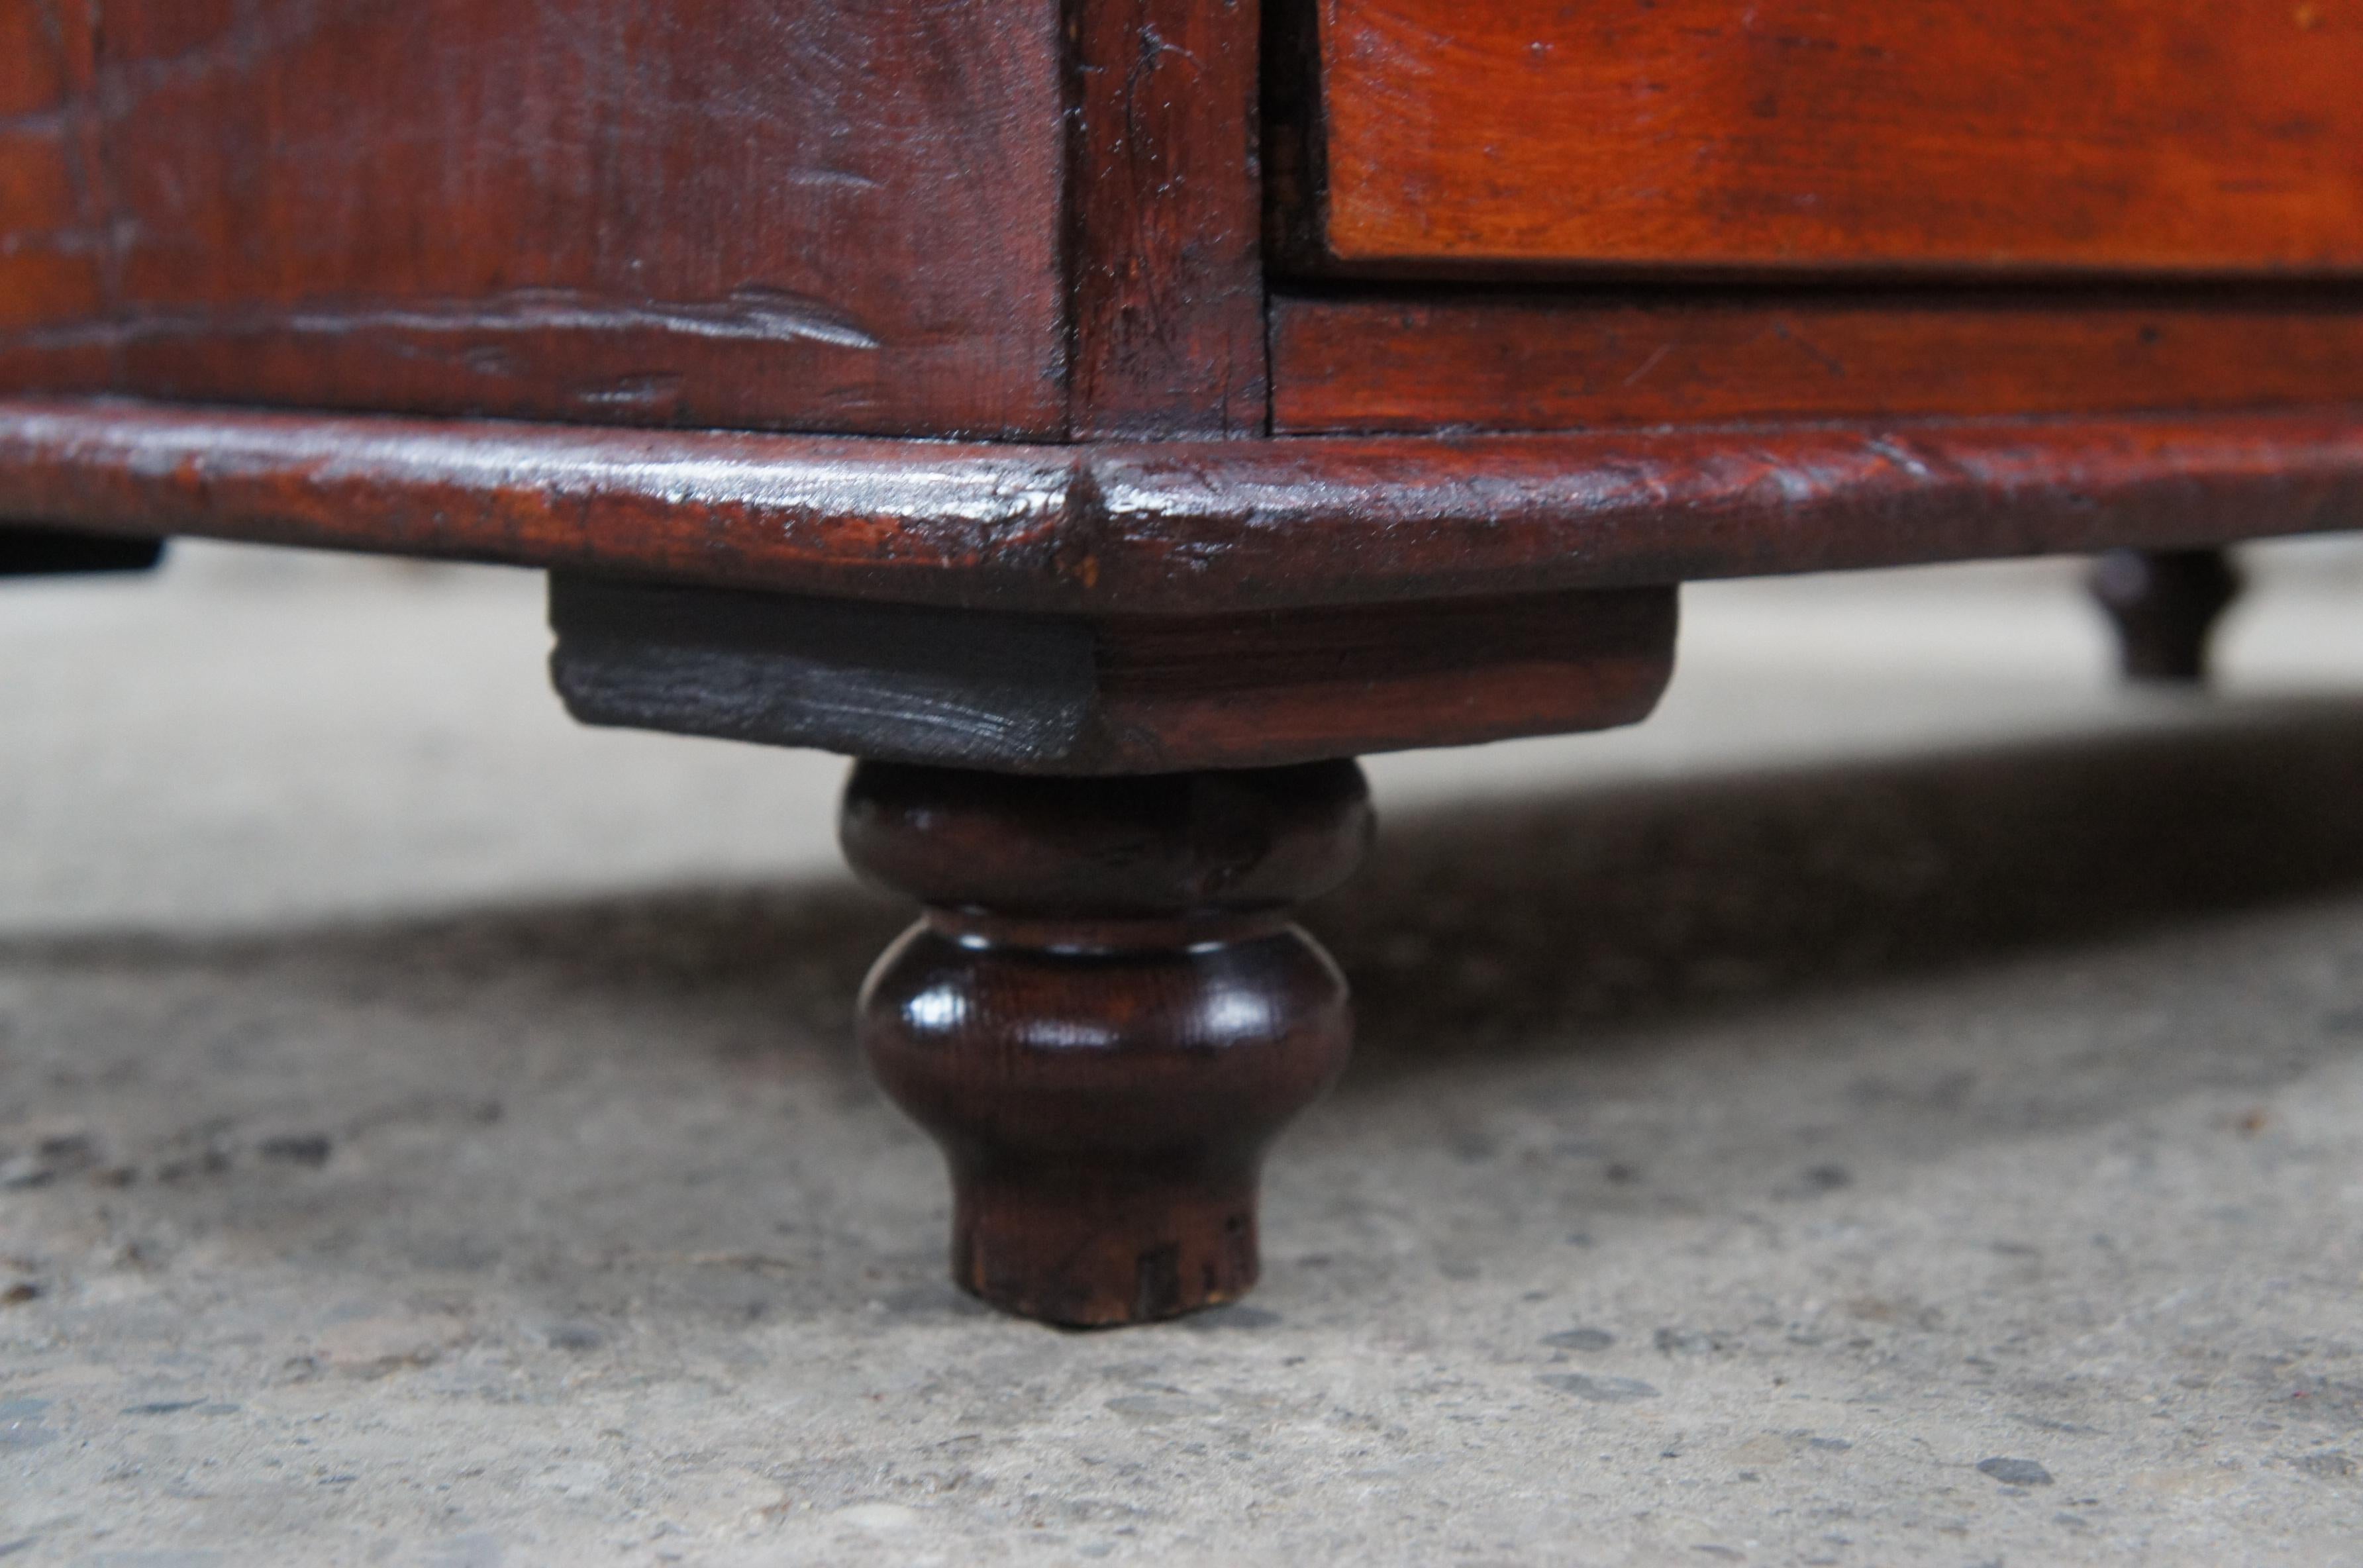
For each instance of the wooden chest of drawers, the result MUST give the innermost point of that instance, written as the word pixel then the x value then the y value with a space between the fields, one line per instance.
pixel 1106 417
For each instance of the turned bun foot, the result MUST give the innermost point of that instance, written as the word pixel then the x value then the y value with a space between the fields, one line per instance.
pixel 2165 605
pixel 1104 1016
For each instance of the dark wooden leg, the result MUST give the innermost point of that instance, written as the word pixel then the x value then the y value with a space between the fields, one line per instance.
pixel 2165 603
pixel 26 550
pixel 1105 1015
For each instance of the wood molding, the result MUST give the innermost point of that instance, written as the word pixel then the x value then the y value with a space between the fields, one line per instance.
pixel 1182 527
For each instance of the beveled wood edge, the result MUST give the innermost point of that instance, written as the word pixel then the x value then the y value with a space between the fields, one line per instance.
pixel 1109 694
pixel 1184 527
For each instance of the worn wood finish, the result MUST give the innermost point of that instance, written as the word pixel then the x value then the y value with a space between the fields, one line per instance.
pixel 1105 1015
pixel 1166 220
pixel 1182 528
pixel 1538 363
pixel 2165 605
pixel 708 212
pixel 1110 694
pixel 2121 136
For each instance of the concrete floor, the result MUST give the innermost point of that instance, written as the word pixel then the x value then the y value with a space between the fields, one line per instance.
pixel 1904 1105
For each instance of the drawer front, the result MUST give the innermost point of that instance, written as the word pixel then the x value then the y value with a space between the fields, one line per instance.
pixel 1832 135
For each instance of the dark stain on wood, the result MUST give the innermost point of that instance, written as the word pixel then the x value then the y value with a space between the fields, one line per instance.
pixel 1106 1016
pixel 1116 694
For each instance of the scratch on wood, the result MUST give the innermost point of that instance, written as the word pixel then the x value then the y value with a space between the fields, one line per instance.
pixel 1788 334
pixel 1657 356
pixel 252 38
pixel 748 314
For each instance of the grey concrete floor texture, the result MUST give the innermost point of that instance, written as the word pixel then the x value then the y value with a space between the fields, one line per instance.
pixel 1903 1105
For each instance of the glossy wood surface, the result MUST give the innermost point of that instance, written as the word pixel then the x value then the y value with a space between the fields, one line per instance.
pixel 1106 1016
pixel 1179 527
pixel 702 212
pixel 2118 136
pixel 1110 694
pixel 1537 363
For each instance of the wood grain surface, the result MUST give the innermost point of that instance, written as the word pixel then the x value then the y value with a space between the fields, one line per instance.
pixel 706 212
pixel 1106 693
pixel 1105 1015
pixel 49 263
pixel 1166 220
pixel 1157 528
pixel 1537 363
pixel 2137 135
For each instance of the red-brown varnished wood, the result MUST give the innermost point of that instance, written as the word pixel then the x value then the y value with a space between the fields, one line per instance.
pixel 51 253
pixel 1341 680
pixel 1166 220
pixel 2123 135
pixel 1536 363
pixel 705 212
pixel 1106 1016
pixel 1208 527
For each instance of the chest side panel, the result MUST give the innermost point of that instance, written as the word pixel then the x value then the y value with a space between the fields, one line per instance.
pixel 708 212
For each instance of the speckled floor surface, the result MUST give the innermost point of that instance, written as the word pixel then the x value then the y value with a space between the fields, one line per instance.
pixel 1905 1105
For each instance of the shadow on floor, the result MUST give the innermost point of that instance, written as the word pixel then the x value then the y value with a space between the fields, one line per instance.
pixel 1479 930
